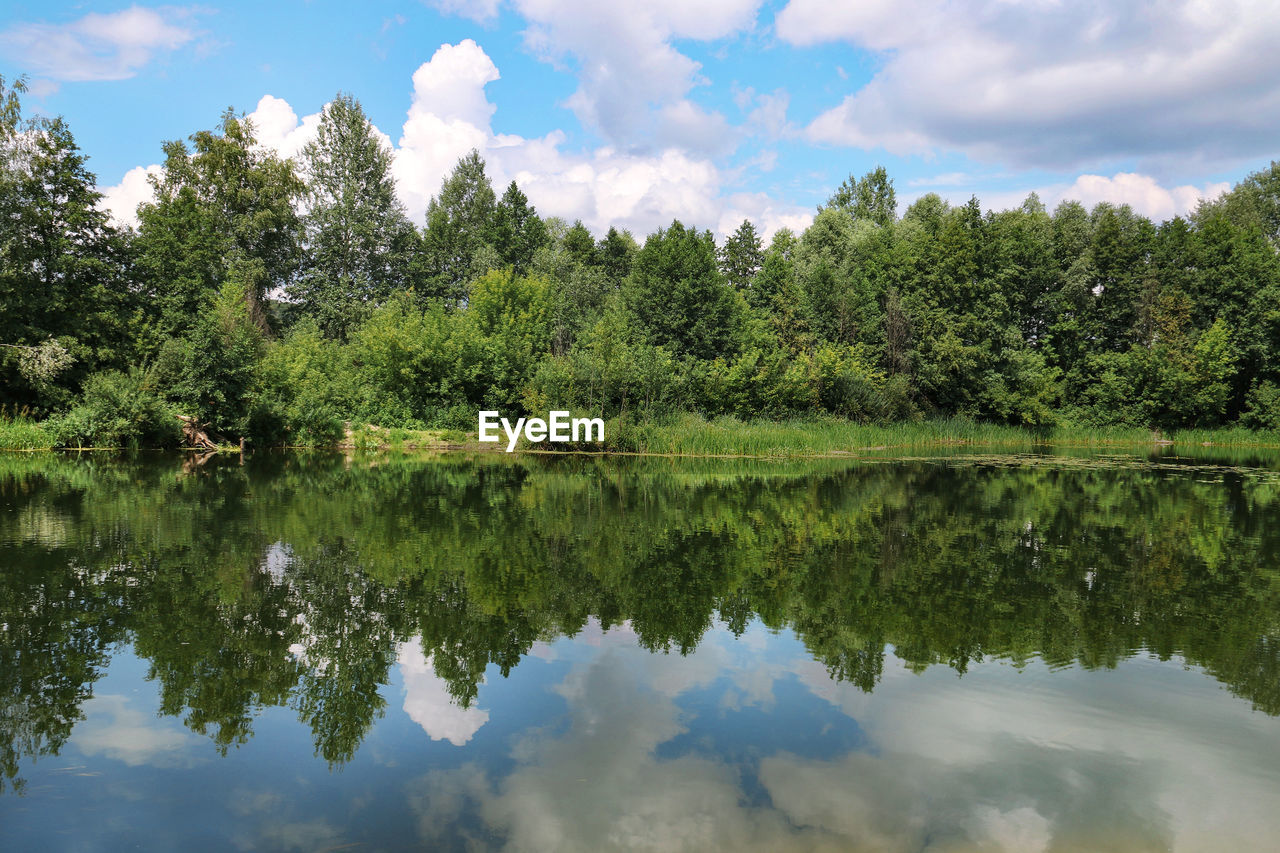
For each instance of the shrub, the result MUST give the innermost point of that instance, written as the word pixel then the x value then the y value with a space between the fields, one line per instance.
pixel 1262 410
pixel 116 410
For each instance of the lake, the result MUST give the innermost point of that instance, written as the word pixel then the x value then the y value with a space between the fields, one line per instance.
pixel 948 653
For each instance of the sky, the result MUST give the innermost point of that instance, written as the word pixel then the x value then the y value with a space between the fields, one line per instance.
pixel 709 111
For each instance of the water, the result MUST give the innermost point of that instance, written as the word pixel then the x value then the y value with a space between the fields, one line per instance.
pixel 312 652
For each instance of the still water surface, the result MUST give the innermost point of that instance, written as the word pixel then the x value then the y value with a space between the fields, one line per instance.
pixel 945 654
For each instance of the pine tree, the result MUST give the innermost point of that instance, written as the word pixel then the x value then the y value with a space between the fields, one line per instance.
pixel 741 256
pixel 518 231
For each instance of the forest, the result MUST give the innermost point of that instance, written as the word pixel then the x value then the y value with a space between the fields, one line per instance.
pixel 274 300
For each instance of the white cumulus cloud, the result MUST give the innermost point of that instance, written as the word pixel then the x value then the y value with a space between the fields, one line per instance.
pixel 1055 85
pixel 122 200
pixel 1146 195
pixel 98 46
pixel 449 115
pixel 1142 193
pixel 112 728
pixel 633 84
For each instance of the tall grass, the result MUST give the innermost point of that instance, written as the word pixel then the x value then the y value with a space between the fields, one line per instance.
pixel 21 433
pixel 692 435
pixel 1228 437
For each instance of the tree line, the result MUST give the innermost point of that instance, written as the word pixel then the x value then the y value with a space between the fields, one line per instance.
pixel 275 298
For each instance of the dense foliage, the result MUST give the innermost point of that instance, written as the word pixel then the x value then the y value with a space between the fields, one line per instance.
pixel 274 299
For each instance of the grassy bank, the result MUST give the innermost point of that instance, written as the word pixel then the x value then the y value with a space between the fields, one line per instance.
pixel 694 436
pixel 23 434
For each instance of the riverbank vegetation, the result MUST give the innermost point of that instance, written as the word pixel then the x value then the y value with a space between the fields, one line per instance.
pixel 277 301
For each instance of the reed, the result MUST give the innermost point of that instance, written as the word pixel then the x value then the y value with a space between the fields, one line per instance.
pixel 22 433
pixel 692 435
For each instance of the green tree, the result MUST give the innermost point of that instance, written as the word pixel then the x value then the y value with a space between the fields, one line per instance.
pixel 677 295
pixel 511 317
pixel 616 251
pixel 224 204
pixel 579 244
pixel 518 232
pixel 840 293
pixel 870 197
pixel 65 271
pixel 212 372
pixel 459 224
pixel 358 241
pixel 741 256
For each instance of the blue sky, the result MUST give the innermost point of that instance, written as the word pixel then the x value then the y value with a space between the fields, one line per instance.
pixel 637 113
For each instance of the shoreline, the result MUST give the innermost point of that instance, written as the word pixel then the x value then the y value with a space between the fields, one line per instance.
pixel 693 437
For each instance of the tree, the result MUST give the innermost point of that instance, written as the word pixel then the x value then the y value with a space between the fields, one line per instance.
pixel 518 232
pixel 1024 267
pixel 1255 201
pixel 580 245
pixel 223 208
pixel 459 224
pixel 64 269
pixel 358 240
pixel 616 250
pixel 741 257
pixel 677 295
pixel 871 197
pixel 212 372
pixel 840 296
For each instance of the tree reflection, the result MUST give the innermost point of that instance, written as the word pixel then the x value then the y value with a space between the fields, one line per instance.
pixel 294 580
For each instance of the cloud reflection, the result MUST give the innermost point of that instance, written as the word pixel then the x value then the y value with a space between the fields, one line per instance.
pixel 114 730
pixel 996 761
pixel 427 700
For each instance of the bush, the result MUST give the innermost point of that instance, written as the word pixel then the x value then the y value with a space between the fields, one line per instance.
pixel 117 410
pixel 1263 408
pixel 300 390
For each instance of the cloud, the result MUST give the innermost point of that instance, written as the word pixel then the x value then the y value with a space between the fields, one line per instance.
pixel 266 819
pixel 770 115
pixel 480 11
pixel 1143 193
pixel 276 126
pixel 633 85
pixel 112 46
pixel 766 213
pixel 600 785
pixel 122 199
pixel 427 700
pixel 449 114
pixel 1000 760
pixel 1055 85
pixel 1066 744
